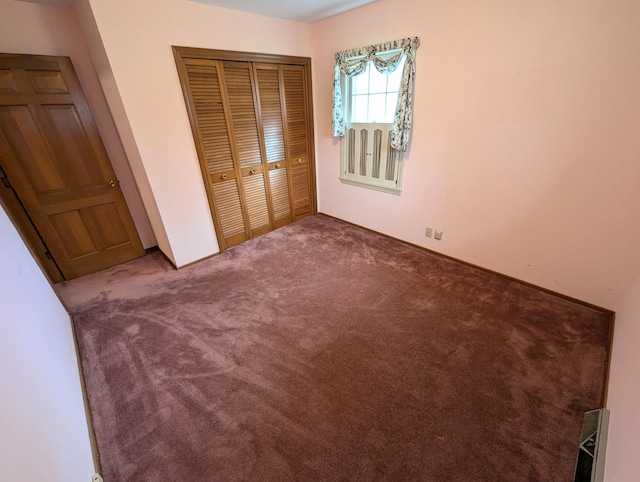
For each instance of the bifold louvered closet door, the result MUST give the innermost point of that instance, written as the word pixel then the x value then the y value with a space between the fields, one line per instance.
pixel 252 127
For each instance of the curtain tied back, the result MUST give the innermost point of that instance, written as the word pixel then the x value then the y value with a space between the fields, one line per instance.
pixel 385 57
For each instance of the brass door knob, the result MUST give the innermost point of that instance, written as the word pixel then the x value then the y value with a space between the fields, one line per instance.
pixel 252 171
pixel 277 165
pixel 113 183
pixel 299 161
pixel 224 176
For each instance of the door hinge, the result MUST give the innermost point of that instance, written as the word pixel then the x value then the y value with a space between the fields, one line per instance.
pixel 47 253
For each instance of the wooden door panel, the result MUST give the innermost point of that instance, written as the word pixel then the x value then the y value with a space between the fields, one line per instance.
pixel 23 135
pixel 298 139
pixel 268 82
pixel 55 159
pixel 280 196
pixel 74 234
pixel 88 232
pixel 213 130
pixel 8 82
pixel 212 125
pixel 237 78
pixel 105 221
pixel 230 212
pixel 293 79
pixel 81 165
pixel 47 82
pixel 239 86
pixel 21 78
pixel 256 198
pixel 301 192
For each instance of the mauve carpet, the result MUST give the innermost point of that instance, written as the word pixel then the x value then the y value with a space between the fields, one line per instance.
pixel 322 351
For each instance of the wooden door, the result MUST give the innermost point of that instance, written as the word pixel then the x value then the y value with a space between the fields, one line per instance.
pixel 246 139
pixel 231 142
pixel 212 131
pixel 298 139
pixel 272 114
pixel 251 122
pixel 54 159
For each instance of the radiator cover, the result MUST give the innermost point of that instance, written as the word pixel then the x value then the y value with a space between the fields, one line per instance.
pixel 593 444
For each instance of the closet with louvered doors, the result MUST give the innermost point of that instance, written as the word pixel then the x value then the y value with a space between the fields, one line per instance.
pixel 252 128
pixel 298 146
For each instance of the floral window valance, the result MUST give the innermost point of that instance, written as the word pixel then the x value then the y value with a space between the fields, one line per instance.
pixel 385 57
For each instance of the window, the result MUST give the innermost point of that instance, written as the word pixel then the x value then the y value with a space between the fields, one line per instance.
pixel 368 158
pixel 375 117
pixel 374 96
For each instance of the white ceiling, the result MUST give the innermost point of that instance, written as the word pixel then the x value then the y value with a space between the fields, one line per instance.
pixel 300 10
pixel 57 3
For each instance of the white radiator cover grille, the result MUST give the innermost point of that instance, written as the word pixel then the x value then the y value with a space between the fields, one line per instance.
pixel 593 445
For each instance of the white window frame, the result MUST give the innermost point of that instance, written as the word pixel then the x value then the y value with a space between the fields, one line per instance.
pixel 377 153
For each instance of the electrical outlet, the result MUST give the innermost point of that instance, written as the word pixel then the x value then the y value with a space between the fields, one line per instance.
pixel 429 232
pixel 438 234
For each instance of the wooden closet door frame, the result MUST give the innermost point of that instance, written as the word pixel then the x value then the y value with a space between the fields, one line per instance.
pixel 181 53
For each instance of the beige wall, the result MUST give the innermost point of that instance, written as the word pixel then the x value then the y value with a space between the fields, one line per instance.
pixel 28 28
pixel 623 463
pixel 44 433
pixel 525 145
pixel 149 110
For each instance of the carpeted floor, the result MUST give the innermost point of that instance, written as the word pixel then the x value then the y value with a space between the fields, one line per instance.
pixel 321 351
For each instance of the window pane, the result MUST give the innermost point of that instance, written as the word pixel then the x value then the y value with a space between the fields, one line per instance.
pixel 359 108
pixel 392 101
pixel 396 77
pixel 361 82
pixel 378 82
pixel 377 107
pixel 374 95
